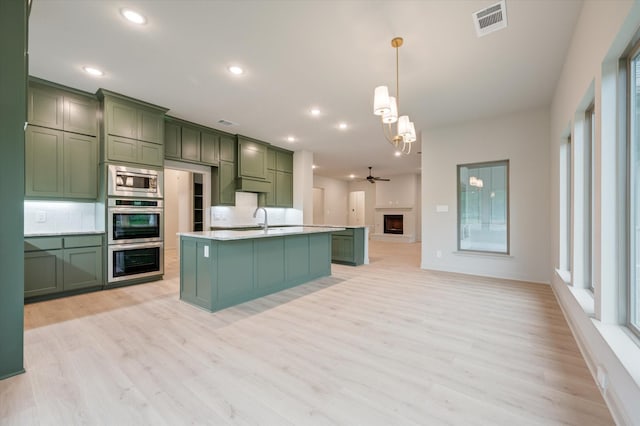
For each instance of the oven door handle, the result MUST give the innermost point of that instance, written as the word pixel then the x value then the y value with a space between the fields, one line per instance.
pixel 115 247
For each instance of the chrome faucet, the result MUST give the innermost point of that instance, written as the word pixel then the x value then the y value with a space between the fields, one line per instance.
pixel 265 225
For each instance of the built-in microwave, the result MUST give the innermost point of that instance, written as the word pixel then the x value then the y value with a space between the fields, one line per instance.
pixel 126 181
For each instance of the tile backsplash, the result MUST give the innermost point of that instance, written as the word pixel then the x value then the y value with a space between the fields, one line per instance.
pixel 242 213
pixel 62 216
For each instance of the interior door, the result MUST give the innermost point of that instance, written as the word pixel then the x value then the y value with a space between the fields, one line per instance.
pixel 356 208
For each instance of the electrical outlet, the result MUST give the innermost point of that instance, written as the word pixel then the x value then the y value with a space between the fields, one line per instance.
pixel 41 216
pixel 601 376
pixel 439 254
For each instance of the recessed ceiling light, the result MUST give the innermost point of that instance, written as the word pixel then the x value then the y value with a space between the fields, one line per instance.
pixel 133 16
pixel 398 153
pixel 315 112
pixel 352 176
pixel 291 139
pixel 234 69
pixel 313 166
pixel 93 71
pixel 342 126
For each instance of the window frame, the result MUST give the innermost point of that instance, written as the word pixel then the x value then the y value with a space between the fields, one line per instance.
pixel 589 207
pixel 631 276
pixel 505 163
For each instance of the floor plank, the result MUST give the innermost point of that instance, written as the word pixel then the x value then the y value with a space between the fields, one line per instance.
pixel 384 343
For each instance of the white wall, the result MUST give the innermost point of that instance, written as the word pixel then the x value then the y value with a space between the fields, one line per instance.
pixel 177 206
pixel 336 199
pixel 603 31
pixel 523 139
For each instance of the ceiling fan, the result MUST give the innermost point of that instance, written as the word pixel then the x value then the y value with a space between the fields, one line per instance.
pixel 373 179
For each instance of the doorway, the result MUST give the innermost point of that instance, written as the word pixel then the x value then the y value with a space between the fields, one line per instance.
pixel 356 208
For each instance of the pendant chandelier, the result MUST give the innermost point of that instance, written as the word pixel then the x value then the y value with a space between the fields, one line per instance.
pixel 387 107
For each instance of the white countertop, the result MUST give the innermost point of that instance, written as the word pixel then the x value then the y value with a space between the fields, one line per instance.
pixel 255 225
pixel 63 234
pixel 225 235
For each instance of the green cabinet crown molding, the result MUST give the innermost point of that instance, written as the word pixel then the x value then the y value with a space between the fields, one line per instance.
pixel 103 94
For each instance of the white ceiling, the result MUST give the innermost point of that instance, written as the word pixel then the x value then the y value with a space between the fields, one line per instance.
pixel 299 54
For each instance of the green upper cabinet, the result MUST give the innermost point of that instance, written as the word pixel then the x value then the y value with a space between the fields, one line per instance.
pixel 80 115
pixel 45 107
pixel 172 141
pixel 252 159
pixel 284 189
pixel 228 149
pixel 134 130
pixel 209 148
pixel 60 164
pixel 223 184
pixel 280 174
pixel 284 161
pixel 194 143
pixel 54 108
pixel 190 144
pixel 129 120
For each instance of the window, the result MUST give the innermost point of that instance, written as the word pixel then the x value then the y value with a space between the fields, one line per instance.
pixel 589 132
pixel 483 207
pixel 565 205
pixel 633 183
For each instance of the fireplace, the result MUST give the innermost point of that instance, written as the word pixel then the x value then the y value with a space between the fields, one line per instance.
pixel 393 224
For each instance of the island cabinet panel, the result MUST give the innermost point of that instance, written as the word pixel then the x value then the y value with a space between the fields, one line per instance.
pixel 239 270
pixel 319 250
pixel 269 256
pixel 235 271
pixel 297 262
pixel 197 271
pixel 347 247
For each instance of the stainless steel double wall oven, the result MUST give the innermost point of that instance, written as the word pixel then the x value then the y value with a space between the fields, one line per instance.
pixel 134 223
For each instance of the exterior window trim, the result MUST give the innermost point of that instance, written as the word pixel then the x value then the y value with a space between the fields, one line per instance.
pixel 507 199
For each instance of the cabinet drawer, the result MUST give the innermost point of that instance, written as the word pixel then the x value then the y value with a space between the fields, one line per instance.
pixel 42 243
pixel 83 241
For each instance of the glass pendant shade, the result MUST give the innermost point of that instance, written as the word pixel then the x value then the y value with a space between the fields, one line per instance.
pixel 381 101
pixel 392 115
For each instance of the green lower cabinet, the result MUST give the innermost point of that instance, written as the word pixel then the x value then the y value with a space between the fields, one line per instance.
pixel 82 268
pixel 62 264
pixel 43 272
pixel 236 271
pixel 347 247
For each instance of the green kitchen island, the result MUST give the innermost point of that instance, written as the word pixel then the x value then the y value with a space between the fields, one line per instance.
pixel 219 269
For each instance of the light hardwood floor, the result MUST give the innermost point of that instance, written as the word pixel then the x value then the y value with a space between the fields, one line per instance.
pixel 385 343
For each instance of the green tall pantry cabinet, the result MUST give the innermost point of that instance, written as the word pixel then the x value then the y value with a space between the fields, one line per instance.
pixel 13 107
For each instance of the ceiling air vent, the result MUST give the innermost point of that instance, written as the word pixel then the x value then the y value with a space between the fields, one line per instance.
pixel 491 19
pixel 227 122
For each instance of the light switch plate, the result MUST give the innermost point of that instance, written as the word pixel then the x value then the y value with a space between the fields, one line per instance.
pixel 41 216
pixel 206 251
pixel 441 208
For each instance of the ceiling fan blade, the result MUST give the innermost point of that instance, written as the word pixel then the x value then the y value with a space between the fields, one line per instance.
pixel 382 179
